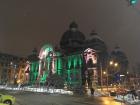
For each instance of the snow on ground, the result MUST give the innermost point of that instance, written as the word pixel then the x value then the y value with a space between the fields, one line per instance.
pixel 45 90
pixel 97 93
pixel 127 98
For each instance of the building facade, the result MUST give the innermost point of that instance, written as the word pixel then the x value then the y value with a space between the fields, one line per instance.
pixel 8 67
pixel 78 62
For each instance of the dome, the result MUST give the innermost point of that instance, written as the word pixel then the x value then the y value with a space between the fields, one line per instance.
pixel 117 49
pixel 94 36
pixel 118 52
pixel 72 38
pixel 95 42
pixel 119 56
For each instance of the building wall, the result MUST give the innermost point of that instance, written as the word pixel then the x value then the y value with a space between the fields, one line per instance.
pixel 6 62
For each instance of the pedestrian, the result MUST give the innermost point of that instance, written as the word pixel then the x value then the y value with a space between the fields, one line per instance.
pixel 133 92
pixel 92 91
pixel 139 95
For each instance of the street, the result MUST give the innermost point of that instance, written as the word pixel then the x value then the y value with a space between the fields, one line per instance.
pixel 55 99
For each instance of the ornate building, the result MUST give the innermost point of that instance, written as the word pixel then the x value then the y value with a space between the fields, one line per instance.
pixel 78 61
pixel 74 42
pixel 96 43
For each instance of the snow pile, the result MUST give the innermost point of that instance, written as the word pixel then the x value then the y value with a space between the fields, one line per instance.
pixel 49 90
pixel 2 86
pixel 101 93
pixel 43 90
pixel 127 98
pixel 97 93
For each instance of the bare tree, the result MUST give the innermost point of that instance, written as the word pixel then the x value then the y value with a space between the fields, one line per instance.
pixel 55 81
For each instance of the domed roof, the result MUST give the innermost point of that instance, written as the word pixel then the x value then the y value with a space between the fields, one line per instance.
pixel 118 52
pixel 119 56
pixel 94 36
pixel 96 42
pixel 117 49
pixel 72 38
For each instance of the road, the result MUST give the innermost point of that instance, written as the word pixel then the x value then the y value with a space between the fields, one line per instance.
pixel 45 99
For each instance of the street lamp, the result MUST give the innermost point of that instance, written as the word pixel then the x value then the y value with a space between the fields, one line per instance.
pixel 104 73
pixel 116 64
pixel 104 77
pixel 111 63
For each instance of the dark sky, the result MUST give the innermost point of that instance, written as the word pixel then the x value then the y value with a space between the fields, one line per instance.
pixel 25 24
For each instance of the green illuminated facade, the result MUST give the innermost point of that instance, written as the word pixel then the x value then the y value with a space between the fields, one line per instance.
pixel 73 70
pixel 33 72
pixel 71 62
pixel 68 67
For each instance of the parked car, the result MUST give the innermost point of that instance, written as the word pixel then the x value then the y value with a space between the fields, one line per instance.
pixel 7 99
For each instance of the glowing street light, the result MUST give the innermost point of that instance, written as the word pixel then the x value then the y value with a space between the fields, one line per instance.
pixel 111 62
pixel 104 72
pixel 115 64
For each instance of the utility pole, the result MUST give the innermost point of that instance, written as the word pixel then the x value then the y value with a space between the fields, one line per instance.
pixel 107 78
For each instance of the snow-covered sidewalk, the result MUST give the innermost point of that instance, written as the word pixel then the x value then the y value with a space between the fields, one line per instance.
pixel 41 89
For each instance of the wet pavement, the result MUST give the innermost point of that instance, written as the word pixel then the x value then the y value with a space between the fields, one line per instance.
pixel 56 99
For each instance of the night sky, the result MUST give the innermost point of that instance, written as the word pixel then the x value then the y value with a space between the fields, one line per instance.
pixel 25 24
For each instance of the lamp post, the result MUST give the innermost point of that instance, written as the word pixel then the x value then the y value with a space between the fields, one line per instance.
pixel 102 73
pixel 104 76
pixel 101 77
pixel 111 63
pixel 107 78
